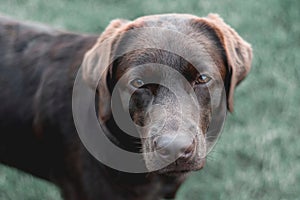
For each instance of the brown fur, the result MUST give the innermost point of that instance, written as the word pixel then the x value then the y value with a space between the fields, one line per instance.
pixel 38 66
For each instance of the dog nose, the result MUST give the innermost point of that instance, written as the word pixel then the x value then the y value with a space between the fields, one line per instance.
pixel 171 147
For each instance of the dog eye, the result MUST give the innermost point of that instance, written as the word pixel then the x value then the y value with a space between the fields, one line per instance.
pixel 202 79
pixel 137 83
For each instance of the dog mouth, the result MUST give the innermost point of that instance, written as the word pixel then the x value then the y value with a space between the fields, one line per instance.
pixel 174 170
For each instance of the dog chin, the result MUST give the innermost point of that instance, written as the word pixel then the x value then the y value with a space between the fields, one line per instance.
pixel 174 172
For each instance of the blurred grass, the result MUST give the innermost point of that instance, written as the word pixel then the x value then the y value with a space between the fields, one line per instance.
pixel 258 155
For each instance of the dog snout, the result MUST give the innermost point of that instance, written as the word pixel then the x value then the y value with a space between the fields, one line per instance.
pixel 173 147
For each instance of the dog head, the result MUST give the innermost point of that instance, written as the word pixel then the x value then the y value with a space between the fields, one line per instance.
pixel 169 73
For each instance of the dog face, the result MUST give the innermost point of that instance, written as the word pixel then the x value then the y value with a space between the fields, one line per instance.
pixel 174 124
pixel 169 73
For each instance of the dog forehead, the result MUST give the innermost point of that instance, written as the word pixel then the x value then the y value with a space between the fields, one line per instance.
pixel 157 43
pixel 166 20
pixel 172 33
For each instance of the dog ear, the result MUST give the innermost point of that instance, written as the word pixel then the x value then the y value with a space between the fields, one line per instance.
pixel 238 54
pixel 96 62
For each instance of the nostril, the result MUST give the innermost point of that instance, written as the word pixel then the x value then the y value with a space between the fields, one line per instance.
pixel 191 147
pixel 160 142
pixel 187 152
pixel 160 150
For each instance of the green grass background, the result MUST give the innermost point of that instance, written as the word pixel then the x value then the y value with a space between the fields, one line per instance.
pixel 258 155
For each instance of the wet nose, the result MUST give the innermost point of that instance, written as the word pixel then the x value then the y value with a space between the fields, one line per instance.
pixel 175 147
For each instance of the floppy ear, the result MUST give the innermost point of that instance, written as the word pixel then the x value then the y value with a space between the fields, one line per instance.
pixel 95 65
pixel 238 53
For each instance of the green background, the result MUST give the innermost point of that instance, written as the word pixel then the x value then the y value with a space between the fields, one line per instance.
pixel 258 155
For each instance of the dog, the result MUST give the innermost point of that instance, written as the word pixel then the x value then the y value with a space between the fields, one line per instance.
pixel 38 69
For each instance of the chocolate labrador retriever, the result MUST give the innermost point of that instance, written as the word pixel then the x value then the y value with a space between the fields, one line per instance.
pixel 38 69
